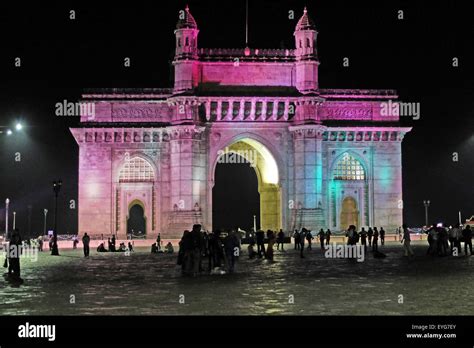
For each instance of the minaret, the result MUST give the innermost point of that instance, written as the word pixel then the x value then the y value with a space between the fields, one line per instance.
pixel 306 55
pixel 186 54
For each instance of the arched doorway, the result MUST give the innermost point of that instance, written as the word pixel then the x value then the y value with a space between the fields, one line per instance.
pixel 136 222
pixel 349 213
pixel 258 159
pixel 235 196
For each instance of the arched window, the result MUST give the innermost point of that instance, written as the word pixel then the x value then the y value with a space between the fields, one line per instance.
pixel 308 42
pixel 349 168
pixel 136 169
pixel 187 41
pixel 179 42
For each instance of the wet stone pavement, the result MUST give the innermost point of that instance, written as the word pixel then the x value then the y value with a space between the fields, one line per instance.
pixel 151 284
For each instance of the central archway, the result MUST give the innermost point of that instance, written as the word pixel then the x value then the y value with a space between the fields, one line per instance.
pixel 257 157
pixel 136 222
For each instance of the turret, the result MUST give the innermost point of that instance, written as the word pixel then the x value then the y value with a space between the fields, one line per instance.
pixel 306 54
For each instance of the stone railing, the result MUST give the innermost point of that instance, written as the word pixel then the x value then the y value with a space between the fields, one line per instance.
pixel 246 54
pixel 248 109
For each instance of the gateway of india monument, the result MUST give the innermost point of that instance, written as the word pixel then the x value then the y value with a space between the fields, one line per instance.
pixel 324 158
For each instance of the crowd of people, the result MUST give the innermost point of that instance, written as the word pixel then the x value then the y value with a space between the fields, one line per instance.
pixel 445 241
pixel 196 246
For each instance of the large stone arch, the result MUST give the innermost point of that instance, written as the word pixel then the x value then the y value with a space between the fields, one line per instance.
pixel 270 189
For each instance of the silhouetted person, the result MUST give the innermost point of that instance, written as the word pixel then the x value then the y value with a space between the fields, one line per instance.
pixel 109 244
pixel 375 242
pixel 169 248
pixel 328 236
pixel 281 240
pixel 130 246
pixel 260 235
pixel 101 248
pixel 232 249
pixel 113 242
pixel 467 236
pixel 370 234
pixel 154 250
pixel 322 237
pixel 309 238
pixel 85 242
pixel 363 238
pixel 382 236
pixel 406 240
pixel 197 244
pixel 271 242
pixel 158 241
pixel 14 253
pixel 303 233
pixel 296 239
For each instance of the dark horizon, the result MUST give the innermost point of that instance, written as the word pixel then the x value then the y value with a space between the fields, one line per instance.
pixel 61 57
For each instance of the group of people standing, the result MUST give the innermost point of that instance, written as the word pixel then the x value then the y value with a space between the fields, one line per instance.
pixel 196 245
pixel 370 237
pixel 444 241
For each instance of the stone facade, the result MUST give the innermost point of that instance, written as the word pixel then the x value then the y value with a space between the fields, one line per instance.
pixel 323 158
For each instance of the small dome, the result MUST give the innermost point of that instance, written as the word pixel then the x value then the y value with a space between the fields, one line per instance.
pixel 188 20
pixel 305 23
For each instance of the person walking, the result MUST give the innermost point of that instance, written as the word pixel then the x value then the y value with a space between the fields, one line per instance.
pixel 281 240
pixel 328 236
pixel 303 233
pixel 260 243
pixel 370 234
pixel 406 240
pixel 375 246
pixel 363 238
pixel 85 242
pixel 322 237
pixel 14 253
pixel 296 239
pixel 467 236
pixel 382 236
pixel 309 238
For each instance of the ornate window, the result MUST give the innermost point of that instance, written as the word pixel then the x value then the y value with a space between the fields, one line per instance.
pixel 136 169
pixel 349 168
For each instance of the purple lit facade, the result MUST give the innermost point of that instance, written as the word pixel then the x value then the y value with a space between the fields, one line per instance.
pixel 324 158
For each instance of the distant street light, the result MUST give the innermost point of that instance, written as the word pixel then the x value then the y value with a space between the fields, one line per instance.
pixel 45 215
pixel 7 203
pixel 14 220
pixel 426 204
pixel 9 132
pixel 56 188
pixel 19 126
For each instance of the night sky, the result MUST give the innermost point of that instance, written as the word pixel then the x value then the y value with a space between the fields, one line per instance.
pixel 60 57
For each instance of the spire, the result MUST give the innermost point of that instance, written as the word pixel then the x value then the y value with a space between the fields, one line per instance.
pixel 305 22
pixel 186 20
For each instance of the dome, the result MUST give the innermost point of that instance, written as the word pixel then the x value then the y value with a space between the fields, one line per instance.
pixel 305 23
pixel 187 22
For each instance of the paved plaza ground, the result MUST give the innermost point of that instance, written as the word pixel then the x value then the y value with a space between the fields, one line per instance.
pixel 151 284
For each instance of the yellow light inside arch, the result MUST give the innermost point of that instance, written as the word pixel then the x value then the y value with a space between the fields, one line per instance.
pixel 269 168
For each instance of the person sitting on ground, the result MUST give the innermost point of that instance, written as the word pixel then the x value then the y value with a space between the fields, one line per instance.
pixel 154 248
pixel 101 248
pixel 169 248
